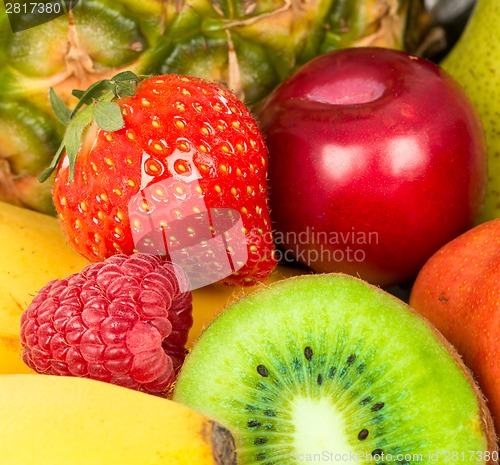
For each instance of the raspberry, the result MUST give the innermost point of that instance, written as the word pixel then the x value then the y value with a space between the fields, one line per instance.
pixel 124 321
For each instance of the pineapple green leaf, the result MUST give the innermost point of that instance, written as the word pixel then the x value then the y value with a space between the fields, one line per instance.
pixel 108 116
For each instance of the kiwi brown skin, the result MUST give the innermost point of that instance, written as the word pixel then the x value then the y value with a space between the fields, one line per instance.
pixel 486 421
pixel 486 418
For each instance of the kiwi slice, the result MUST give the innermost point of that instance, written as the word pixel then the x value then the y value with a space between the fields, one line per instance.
pixel 327 368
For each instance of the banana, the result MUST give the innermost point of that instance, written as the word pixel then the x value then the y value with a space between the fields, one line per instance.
pixel 57 420
pixel 34 250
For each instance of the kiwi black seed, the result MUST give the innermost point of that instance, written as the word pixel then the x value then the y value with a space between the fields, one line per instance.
pixel 363 434
pixel 329 368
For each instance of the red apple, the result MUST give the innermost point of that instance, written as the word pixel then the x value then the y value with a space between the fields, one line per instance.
pixel 377 159
pixel 458 290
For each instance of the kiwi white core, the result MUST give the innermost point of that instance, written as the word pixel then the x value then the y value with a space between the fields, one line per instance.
pixel 319 428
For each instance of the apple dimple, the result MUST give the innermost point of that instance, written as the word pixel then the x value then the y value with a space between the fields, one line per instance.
pixel 352 91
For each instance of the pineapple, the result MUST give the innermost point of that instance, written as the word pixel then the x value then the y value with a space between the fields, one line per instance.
pixel 249 45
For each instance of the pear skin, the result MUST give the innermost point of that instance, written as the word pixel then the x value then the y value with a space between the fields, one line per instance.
pixel 475 63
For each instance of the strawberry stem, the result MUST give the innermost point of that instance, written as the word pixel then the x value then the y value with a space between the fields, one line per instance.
pixel 94 105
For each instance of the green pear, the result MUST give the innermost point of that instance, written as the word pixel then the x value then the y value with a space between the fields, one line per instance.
pixel 475 63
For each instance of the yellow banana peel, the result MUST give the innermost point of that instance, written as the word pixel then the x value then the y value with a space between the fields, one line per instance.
pixel 33 251
pixel 58 420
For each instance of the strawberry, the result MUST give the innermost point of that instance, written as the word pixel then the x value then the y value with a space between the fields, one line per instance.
pixel 168 165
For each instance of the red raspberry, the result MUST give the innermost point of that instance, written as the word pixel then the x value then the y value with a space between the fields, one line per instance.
pixel 124 321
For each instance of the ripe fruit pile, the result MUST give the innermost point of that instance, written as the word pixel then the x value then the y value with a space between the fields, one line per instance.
pixel 250 46
pixel 161 182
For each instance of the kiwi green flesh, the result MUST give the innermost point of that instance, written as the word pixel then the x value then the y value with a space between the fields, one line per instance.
pixel 327 367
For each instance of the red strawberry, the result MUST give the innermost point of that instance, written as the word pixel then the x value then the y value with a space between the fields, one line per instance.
pixel 169 165
pixel 124 320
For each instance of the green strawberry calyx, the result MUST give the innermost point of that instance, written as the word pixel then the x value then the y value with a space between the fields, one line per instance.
pixel 94 105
